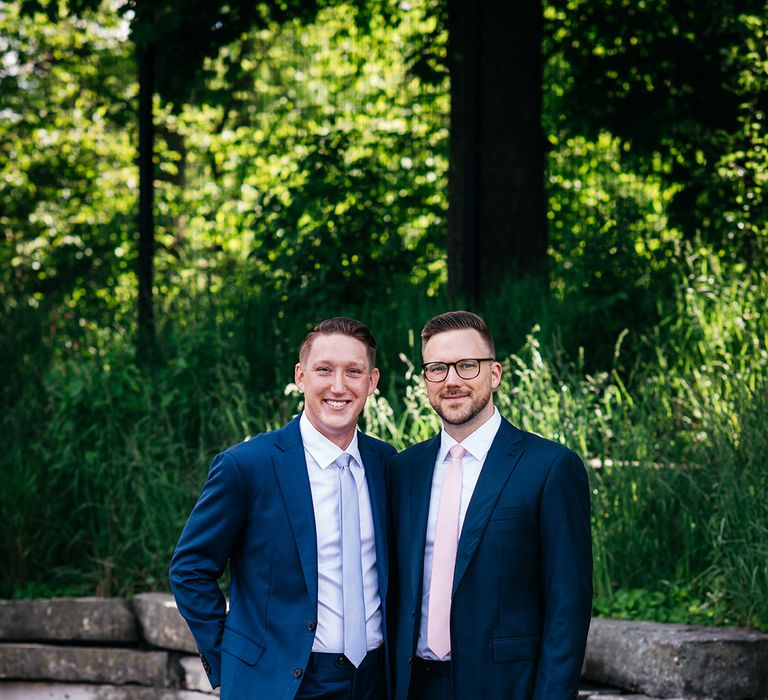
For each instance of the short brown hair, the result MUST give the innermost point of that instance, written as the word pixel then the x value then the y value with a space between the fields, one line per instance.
pixel 457 321
pixel 340 325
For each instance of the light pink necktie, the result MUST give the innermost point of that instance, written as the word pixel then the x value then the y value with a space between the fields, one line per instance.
pixel 444 557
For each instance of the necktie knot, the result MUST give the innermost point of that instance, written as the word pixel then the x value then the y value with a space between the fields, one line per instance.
pixel 457 452
pixel 343 461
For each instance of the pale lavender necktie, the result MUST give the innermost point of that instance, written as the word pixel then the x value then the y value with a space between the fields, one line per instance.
pixel 444 557
pixel 355 646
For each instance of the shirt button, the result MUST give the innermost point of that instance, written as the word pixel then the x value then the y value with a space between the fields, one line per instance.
pixel 297 673
pixel 311 625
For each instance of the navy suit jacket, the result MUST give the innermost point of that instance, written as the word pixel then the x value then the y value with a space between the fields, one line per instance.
pixel 255 512
pixel 522 587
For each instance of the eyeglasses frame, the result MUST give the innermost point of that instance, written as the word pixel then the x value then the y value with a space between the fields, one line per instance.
pixel 453 364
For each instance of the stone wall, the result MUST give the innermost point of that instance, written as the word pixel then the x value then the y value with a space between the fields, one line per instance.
pixel 141 649
pixel 98 649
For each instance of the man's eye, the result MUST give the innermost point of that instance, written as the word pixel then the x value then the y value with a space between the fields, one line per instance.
pixel 354 372
pixel 468 364
pixel 323 370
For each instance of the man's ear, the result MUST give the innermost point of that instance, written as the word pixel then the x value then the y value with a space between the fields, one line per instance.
pixel 374 380
pixel 496 370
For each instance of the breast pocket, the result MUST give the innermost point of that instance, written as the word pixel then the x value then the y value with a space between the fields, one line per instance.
pixel 509 512
pixel 506 649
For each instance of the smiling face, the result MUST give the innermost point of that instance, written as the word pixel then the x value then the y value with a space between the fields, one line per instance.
pixel 463 404
pixel 336 377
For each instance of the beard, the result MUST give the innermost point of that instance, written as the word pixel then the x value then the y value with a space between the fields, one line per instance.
pixel 460 415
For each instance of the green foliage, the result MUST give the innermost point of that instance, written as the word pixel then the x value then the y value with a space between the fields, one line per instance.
pixel 332 175
pixel 98 482
pixel 683 85
pixel 611 242
pixel 346 231
pixel 669 603
pixel 65 175
pixel 307 178
pixel 738 517
pixel 686 503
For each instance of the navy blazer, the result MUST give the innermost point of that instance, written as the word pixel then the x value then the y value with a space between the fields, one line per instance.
pixel 255 512
pixel 522 587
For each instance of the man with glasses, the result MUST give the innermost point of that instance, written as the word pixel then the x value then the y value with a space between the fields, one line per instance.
pixel 491 541
pixel 299 514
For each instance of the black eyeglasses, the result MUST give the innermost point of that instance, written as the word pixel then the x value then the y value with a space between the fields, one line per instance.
pixel 466 369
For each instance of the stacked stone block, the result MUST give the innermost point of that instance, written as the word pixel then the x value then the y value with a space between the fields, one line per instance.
pixel 98 649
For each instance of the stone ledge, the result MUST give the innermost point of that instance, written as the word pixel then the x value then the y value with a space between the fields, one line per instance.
pixel 161 623
pixel 678 661
pixel 57 691
pixel 86 664
pixel 68 619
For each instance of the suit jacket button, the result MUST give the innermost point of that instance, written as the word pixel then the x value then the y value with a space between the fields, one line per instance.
pixel 311 625
pixel 297 673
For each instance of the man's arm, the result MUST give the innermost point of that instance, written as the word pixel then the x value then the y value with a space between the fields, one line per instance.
pixel 567 577
pixel 202 554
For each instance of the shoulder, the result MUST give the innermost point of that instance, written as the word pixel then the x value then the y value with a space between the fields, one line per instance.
pixel 534 443
pixel 420 452
pixel 384 449
pixel 265 444
pixel 545 460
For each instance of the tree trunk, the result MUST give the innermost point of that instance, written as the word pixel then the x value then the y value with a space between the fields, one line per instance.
pixel 497 201
pixel 146 334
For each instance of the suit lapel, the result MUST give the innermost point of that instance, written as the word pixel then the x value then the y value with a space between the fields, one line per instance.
pixel 374 477
pixel 422 469
pixel 499 464
pixel 292 476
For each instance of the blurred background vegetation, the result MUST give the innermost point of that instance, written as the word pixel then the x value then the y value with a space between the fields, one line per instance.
pixel 600 202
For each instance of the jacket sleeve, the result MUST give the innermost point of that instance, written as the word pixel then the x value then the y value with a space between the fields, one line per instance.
pixel 567 578
pixel 201 556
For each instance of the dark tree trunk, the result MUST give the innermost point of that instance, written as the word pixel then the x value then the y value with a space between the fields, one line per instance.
pixel 497 200
pixel 146 336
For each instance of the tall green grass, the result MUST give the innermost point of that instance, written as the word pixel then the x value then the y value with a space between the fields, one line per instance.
pixel 104 464
pixel 680 531
pixel 102 459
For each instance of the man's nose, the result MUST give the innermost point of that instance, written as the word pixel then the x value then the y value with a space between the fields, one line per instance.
pixel 338 382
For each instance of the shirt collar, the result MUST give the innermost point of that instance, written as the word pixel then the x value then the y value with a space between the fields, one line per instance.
pixel 323 451
pixel 477 443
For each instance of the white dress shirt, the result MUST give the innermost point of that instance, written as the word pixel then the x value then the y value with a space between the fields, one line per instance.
pixel 320 454
pixel 477 445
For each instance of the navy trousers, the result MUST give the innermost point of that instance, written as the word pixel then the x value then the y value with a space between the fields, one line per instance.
pixel 430 680
pixel 333 677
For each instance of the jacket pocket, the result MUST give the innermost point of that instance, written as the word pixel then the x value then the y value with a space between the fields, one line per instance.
pixel 516 648
pixel 509 512
pixel 242 647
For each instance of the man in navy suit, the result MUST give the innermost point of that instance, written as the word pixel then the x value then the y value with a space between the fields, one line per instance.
pixel 299 514
pixel 492 543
